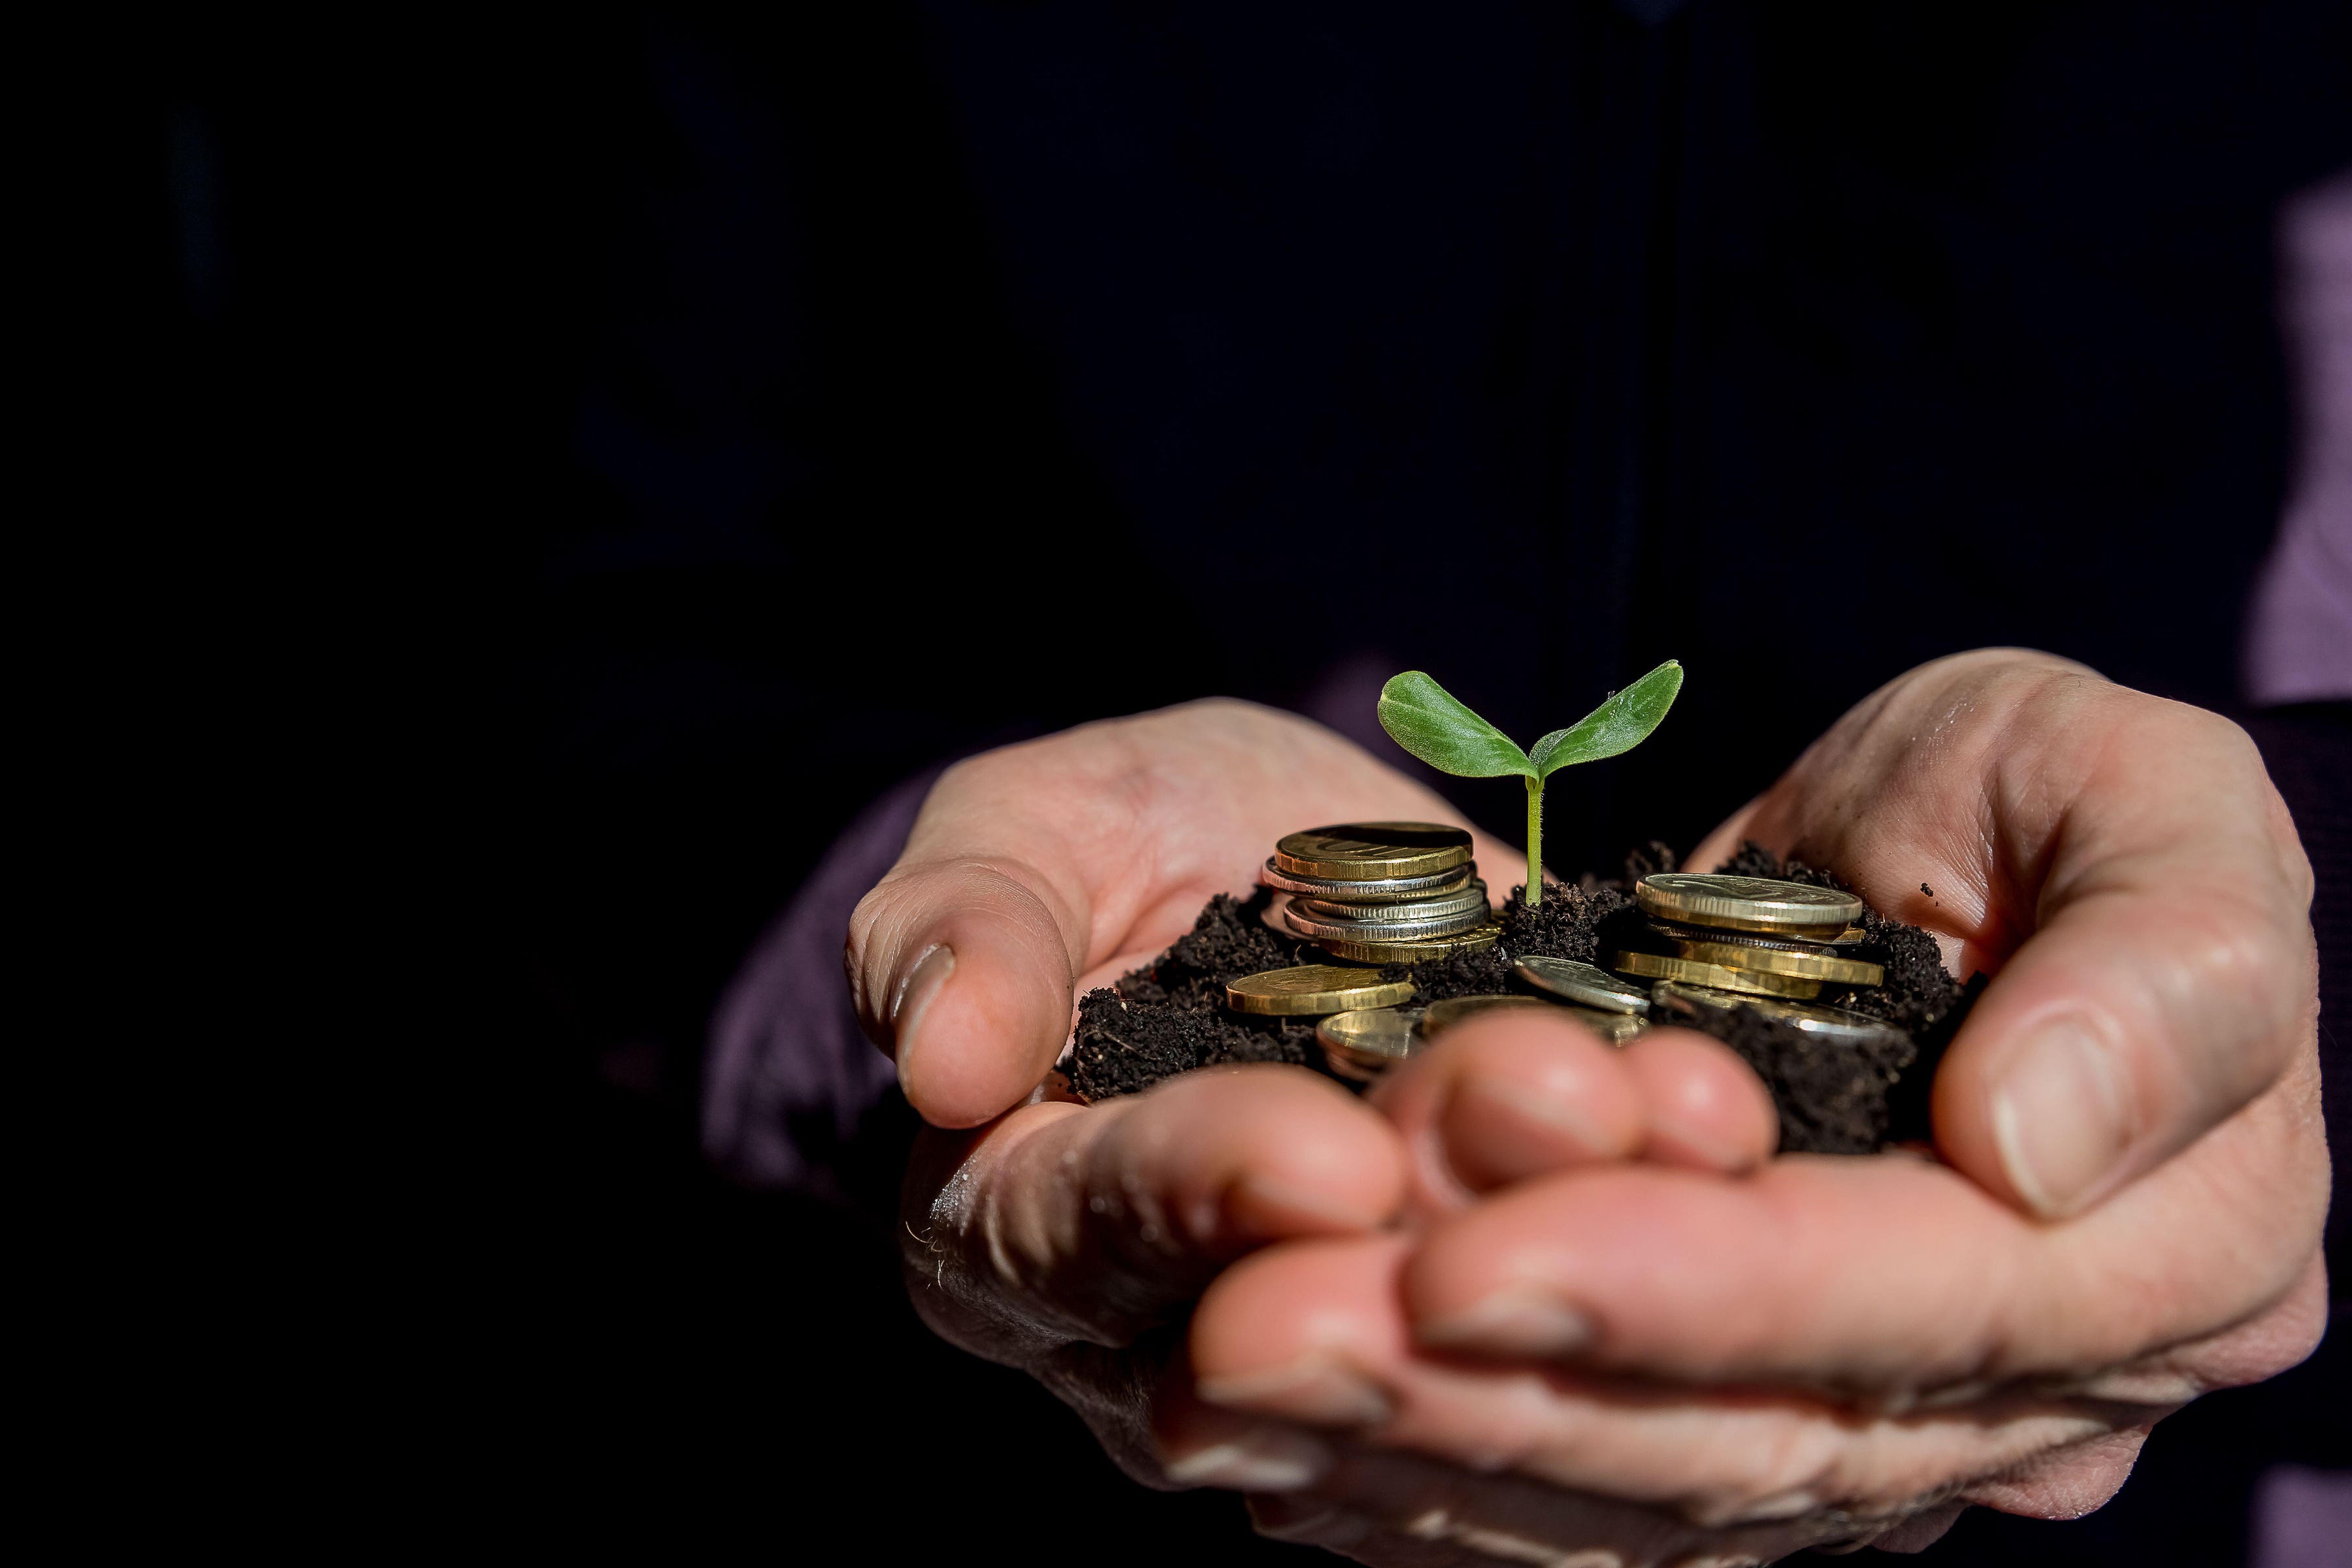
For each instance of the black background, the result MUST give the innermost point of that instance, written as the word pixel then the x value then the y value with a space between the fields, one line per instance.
pixel 696 424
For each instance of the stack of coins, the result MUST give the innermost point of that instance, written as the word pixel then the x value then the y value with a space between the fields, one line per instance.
pixel 1383 892
pixel 1752 935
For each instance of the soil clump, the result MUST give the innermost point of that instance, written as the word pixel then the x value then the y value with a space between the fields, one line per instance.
pixel 1169 1016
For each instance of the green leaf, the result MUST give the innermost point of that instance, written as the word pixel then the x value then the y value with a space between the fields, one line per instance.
pixel 1433 726
pixel 1620 724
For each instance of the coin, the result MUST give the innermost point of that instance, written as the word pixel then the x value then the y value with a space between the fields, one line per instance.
pixel 1657 966
pixel 1366 1043
pixel 1473 897
pixel 1320 928
pixel 1615 1028
pixel 1582 983
pixel 1309 989
pixel 1360 851
pixel 1378 890
pixel 1476 940
pixel 1834 1024
pixel 1819 942
pixel 1746 904
pixel 1441 1016
pixel 1769 955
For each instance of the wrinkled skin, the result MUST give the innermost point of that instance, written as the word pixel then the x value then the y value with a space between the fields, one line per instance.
pixel 1535 1296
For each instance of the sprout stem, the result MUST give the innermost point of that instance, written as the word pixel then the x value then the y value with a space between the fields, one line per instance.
pixel 1535 842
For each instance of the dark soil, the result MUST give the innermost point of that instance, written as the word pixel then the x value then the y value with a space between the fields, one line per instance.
pixel 1169 1016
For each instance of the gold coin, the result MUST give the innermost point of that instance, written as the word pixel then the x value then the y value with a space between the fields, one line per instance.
pixel 1421 950
pixel 1581 985
pixel 1367 851
pixel 1782 958
pixel 1746 904
pixel 1441 1015
pixel 1364 1044
pixel 1836 1024
pixel 1307 990
pixel 1657 966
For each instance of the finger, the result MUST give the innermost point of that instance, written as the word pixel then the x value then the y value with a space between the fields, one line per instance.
pixel 2169 978
pixel 1508 1095
pixel 1200 1444
pixel 1514 1094
pixel 1702 1106
pixel 1329 1307
pixel 1062 1223
pixel 961 970
pixel 1888 1276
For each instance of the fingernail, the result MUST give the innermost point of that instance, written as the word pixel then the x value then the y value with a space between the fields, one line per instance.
pixel 1268 1459
pixel 1519 1321
pixel 914 999
pixel 1318 1390
pixel 2060 1117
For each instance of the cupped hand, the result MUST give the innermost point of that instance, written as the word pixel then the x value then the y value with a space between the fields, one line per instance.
pixel 1059 1237
pixel 2129 1216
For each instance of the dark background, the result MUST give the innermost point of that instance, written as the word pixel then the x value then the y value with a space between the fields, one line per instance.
pixel 697 424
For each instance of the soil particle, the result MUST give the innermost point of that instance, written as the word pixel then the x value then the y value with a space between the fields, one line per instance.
pixel 1168 1016
pixel 1121 1046
pixel 1833 1098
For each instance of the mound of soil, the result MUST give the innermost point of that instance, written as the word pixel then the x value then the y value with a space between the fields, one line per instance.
pixel 1169 1016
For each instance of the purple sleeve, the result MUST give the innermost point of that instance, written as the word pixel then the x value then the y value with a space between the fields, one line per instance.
pixel 791 1078
pixel 2299 633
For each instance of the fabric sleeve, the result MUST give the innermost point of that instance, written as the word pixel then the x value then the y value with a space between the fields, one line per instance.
pixel 794 1096
pixel 2308 750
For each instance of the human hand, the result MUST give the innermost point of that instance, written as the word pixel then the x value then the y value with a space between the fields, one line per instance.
pixel 1060 1237
pixel 1862 1344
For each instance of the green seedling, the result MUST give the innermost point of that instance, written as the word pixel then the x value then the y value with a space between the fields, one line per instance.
pixel 1430 724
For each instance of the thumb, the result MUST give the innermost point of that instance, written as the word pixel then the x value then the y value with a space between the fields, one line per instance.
pixel 961 970
pixel 2120 1034
pixel 2171 980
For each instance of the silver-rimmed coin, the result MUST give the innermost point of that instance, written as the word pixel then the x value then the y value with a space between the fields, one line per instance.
pixel 1364 1044
pixel 1843 943
pixel 1360 851
pixel 1748 903
pixel 1582 983
pixel 1423 950
pixel 1320 928
pixel 1380 889
pixel 1836 1025
pixel 1473 897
